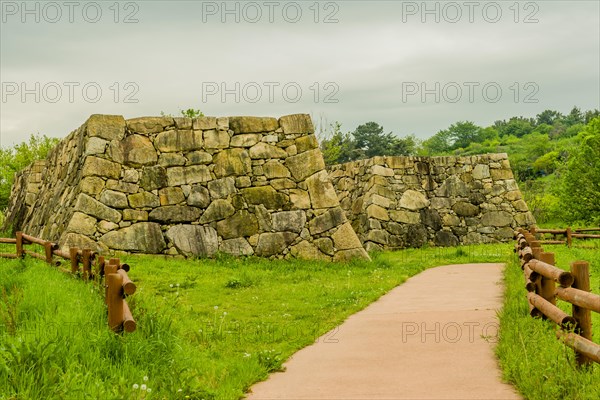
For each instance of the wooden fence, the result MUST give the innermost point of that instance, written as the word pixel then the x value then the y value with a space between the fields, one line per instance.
pixel 541 277
pixel 569 234
pixel 111 274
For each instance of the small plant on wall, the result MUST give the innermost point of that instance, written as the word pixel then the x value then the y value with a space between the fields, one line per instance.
pixel 190 113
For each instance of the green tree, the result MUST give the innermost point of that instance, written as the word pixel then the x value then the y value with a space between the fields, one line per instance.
pixel 558 129
pixel 574 117
pixel 437 144
pixel 337 146
pixel 516 126
pixel 590 115
pixel 13 160
pixel 463 133
pixel 547 163
pixel 544 129
pixel 573 130
pixel 581 180
pixel 370 141
pixel 403 146
pixel 366 141
pixel 548 117
pixel 525 151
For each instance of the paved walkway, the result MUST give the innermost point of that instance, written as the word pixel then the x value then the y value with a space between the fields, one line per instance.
pixel 430 338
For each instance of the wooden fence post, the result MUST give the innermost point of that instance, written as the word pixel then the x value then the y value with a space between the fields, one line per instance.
pixel 583 317
pixel 74 256
pixel 114 300
pixel 569 238
pixel 48 250
pixel 19 245
pixel 110 268
pixel 87 264
pixel 536 248
pixel 547 286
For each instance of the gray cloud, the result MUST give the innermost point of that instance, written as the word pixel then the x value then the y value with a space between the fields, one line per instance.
pixel 366 62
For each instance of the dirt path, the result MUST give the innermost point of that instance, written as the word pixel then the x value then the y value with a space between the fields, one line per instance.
pixel 430 338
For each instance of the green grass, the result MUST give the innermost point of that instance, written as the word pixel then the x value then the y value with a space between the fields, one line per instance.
pixel 531 357
pixel 208 327
pixel 212 328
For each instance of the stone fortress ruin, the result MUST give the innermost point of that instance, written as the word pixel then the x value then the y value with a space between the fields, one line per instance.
pixel 398 202
pixel 163 185
pixel 253 186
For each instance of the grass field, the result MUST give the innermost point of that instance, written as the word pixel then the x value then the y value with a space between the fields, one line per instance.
pixel 208 329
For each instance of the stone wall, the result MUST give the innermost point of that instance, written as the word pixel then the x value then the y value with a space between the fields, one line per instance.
pixel 177 186
pixel 26 187
pixel 398 202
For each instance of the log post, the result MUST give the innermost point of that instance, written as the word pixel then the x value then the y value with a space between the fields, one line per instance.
pixel 19 245
pixel 87 264
pixel 547 285
pixel 74 256
pixel 581 273
pixel 532 284
pixel 528 237
pixel 114 300
pixel 109 268
pixel 48 247
pixel 569 237
pixel 536 248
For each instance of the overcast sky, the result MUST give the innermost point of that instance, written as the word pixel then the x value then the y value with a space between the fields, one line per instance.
pixel 413 67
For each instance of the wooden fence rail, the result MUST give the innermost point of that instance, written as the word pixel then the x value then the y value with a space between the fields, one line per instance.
pixel 568 233
pixel 111 274
pixel 541 278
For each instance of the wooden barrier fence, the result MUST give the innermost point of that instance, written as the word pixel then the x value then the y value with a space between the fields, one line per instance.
pixel 541 277
pixel 568 233
pixel 111 274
